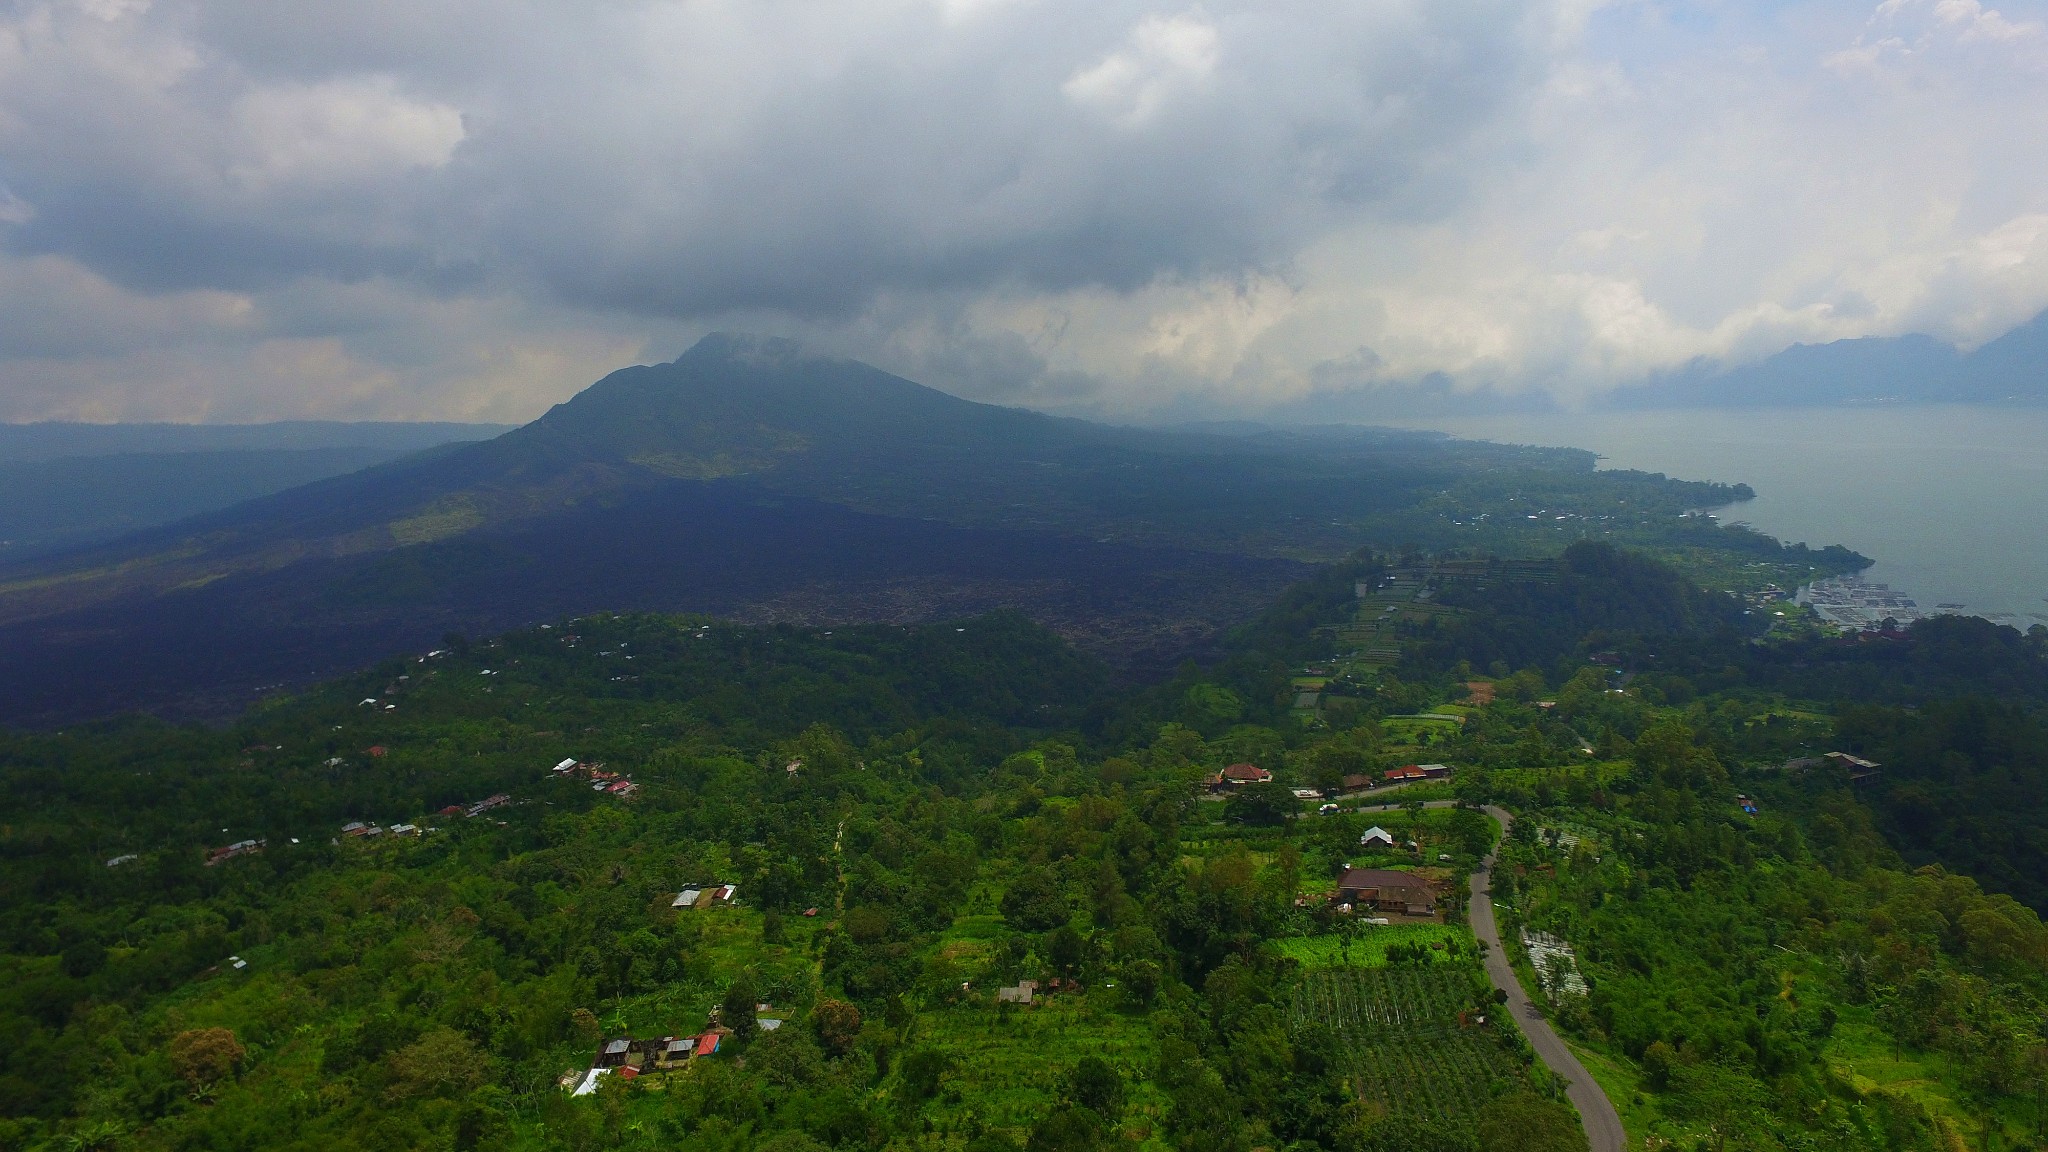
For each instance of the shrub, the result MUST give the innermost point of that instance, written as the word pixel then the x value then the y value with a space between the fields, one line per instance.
pixel 205 1056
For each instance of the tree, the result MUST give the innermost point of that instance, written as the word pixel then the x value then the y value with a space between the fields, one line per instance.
pixel 203 1057
pixel 1259 804
pixel 1526 1122
pixel 787 1058
pixel 921 1072
pixel 1095 1085
pixel 443 1062
pixel 837 1024
pixel 1067 1129
pixel 737 1010
pixel 1034 902
pixel 1659 1058
pixel 1067 949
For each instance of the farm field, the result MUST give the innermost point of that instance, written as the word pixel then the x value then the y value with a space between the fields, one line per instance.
pixel 1410 729
pixel 1002 1076
pixel 1407 1053
pixel 1369 948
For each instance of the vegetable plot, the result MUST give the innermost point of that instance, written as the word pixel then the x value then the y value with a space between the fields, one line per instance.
pixel 1407 1053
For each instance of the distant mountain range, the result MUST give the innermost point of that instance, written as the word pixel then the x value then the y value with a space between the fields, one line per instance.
pixel 752 479
pixel 2012 369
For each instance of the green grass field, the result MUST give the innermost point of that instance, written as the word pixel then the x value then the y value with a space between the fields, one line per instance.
pixel 1369 949
pixel 1411 729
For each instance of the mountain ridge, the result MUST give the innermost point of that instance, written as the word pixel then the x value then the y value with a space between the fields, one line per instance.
pixel 1910 369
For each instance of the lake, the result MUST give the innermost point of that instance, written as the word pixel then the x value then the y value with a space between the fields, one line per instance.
pixel 1952 502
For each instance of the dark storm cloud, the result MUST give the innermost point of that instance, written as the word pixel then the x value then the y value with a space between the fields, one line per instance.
pixel 685 159
pixel 469 208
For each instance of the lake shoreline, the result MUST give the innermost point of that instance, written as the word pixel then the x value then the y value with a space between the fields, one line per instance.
pixel 1950 500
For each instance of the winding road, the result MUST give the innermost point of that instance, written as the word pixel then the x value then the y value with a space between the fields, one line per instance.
pixel 1596 1111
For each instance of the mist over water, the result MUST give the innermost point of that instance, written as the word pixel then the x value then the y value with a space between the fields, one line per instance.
pixel 1951 501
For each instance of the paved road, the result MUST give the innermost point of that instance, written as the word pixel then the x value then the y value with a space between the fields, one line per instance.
pixel 1596 1111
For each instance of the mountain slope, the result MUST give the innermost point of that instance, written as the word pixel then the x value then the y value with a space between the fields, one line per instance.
pixel 752 479
pixel 54 440
pixel 800 425
pixel 73 501
pixel 69 486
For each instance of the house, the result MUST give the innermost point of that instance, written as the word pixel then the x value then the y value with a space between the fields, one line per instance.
pixel 1861 771
pixel 377 751
pixel 1240 774
pixel 1434 771
pixel 675 1051
pixel 1386 891
pixel 1020 994
pixel 565 765
pixel 1406 773
pixel 1356 782
pixel 498 800
pixel 1376 837
pixel 1237 776
pixel 1746 804
pixel 628 1058
pixel 451 810
pixel 613 1053
pixel 238 848
pixel 704 896
pixel 1307 794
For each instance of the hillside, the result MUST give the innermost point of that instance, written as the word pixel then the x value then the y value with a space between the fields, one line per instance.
pixel 207 945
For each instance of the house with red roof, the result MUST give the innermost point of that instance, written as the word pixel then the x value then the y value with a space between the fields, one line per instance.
pixel 1237 776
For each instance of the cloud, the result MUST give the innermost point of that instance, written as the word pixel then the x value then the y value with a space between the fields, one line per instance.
pixel 355 130
pixel 466 206
pixel 1165 56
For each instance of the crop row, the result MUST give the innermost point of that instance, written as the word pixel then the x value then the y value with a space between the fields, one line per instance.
pixel 1405 1049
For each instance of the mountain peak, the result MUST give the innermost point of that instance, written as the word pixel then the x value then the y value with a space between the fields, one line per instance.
pixel 752 349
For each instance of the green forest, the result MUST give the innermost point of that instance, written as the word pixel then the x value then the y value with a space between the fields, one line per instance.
pixel 985 895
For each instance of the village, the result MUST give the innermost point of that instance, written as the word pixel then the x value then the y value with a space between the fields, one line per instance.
pixel 613 784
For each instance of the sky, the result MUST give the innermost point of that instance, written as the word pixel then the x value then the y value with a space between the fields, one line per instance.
pixel 237 210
